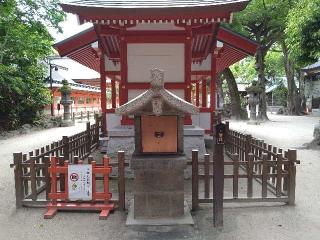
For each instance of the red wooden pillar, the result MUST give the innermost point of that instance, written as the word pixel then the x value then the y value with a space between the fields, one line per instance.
pixel 123 91
pixel 188 62
pixel 204 92
pixel 113 91
pixel 197 93
pixel 103 87
pixel 124 70
pixel 213 88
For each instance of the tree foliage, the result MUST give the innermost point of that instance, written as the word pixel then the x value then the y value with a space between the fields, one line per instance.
pixel 303 32
pixel 24 43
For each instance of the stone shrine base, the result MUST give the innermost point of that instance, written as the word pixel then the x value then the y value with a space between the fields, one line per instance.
pixel 186 219
pixel 158 186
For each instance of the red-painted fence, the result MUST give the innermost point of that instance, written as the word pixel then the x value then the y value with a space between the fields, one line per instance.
pixel 59 200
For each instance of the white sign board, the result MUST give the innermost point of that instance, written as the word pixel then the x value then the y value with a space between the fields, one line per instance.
pixel 80 182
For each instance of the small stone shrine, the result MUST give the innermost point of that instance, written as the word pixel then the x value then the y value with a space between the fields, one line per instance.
pixel 158 161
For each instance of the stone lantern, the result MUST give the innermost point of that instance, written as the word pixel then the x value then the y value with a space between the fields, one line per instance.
pixel 66 101
pixel 158 161
pixel 253 100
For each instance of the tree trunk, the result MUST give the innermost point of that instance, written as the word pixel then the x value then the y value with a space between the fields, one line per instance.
pixel 303 104
pixel 293 98
pixel 234 94
pixel 260 68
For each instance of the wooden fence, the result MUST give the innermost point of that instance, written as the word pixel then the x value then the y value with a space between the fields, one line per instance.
pixel 31 170
pixel 266 173
pixel 84 115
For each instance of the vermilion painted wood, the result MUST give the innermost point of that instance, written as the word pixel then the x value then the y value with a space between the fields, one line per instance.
pixel 113 92
pixel 187 67
pixel 103 87
pixel 110 110
pixel 124 70
pixel 59 200
pixel 204 92
pixel 155 39
pixel 237 41
pixel 93 15
pixel 113 73
pixel 213 88
pixel 197 94
pixel 76 42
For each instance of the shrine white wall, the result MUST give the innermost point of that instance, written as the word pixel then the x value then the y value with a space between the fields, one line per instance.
pixel 144 57
pixel 202 120
pixel 204 66
pixel 132 93
pixel 110 66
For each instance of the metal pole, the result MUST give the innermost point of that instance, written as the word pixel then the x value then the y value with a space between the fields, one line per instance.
pixel 52 109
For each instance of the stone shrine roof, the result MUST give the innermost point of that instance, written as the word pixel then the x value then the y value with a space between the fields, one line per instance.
pixel 156 95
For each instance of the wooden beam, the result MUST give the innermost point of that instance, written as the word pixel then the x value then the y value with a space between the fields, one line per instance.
pixel 204 92
pixel 237 41
pixel 103 87
pixel 113 91
pixel 211 44
pixel 213 87
pixel 76 42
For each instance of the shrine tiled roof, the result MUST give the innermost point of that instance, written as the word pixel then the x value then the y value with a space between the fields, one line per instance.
pixel 152 3
pixel 315 67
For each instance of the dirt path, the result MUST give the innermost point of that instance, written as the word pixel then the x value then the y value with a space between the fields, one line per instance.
pixel 250 223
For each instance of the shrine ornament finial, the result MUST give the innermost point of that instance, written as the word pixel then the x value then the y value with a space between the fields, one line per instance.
pixel 157 78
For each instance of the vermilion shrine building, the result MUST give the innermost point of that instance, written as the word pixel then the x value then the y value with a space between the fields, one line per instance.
pixel 184 38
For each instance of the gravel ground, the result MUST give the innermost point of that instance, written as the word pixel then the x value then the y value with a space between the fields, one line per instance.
pixel 263 221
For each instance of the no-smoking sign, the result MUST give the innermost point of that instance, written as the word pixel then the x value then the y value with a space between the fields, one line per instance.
pixel 74 177
pixel 80 182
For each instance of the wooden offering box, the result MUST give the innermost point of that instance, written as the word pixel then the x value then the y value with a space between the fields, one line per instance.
pixel 159 134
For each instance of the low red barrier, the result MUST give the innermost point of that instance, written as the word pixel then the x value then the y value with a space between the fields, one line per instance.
pixel 60 200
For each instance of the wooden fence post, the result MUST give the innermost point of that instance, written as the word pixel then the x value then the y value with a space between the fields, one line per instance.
pixel 121 181
pixel 292 157
pixel 235 175
pixel 207 175
pixel 227 137
pixel 33 178
pixel 47 175
pixel 195 180
pixel 248 147
pixel 250 175
pixel 97 128
pixel 88 144
pixel 65 142
pixel 264 175
pixel 218 175
pixel 17 161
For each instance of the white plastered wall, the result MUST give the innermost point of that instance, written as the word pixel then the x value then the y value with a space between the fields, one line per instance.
pixel 144 57
pixel 204 66
pixel 113 120
pixel 202 120
pixel 110 66
pixel 132 93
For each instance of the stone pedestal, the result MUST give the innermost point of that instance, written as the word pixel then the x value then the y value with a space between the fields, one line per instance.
pixel 66 102
pixel 253 100
pixel 158 186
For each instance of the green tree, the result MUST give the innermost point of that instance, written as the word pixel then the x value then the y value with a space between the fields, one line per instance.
pixel 302 32
pixel 24 43
pixel 263 21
